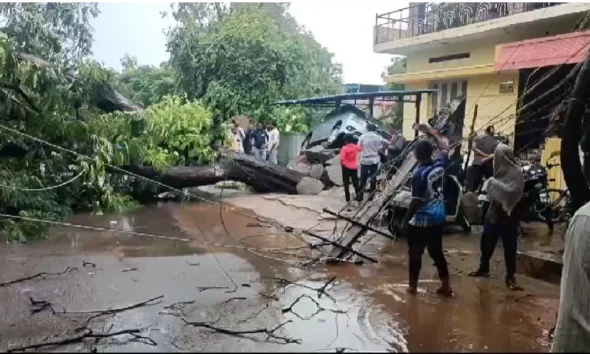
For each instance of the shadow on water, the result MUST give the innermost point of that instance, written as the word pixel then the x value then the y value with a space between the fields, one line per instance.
pixel 370 310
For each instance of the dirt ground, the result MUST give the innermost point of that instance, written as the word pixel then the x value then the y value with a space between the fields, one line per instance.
pixel 252 281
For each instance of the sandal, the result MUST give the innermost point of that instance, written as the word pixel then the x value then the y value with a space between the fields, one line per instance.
pixel 445 291
pixel 512 285
pixel 479 274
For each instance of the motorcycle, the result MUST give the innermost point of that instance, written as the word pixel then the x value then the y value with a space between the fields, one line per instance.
pixel 536 197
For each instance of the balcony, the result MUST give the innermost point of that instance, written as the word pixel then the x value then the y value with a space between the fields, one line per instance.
pixel 423 18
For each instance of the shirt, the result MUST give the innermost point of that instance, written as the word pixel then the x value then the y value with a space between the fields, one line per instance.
pixel 247 142
pixel 427 186
pixel 572 332
pixel 273 138
pixel 486 144
pixel 371 143
pixel 260 138
pixel 348 156
pixel 396 142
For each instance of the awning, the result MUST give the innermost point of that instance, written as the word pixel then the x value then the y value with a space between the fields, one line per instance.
pixel 569 48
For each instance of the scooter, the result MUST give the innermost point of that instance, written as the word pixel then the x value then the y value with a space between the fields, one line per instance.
pixel 453 194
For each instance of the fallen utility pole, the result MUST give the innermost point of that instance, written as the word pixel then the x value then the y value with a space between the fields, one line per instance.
pixel 471 137
pixel 334 243
pixel 357 223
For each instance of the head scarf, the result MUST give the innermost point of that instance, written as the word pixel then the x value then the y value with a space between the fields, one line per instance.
pixel 507 185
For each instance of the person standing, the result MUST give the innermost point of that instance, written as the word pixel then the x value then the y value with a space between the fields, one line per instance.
pixel 483 148
pixel 396 145
pixel 247 142
pixel 260 142
pixel 273 143
pixel 426 214
pixel 502 219
pixel 239 135
pixel 572 331
pixel 348 160
pixel 371 145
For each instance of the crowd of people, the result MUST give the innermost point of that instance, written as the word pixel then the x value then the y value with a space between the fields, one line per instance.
pixel 256 140
pixel 425 217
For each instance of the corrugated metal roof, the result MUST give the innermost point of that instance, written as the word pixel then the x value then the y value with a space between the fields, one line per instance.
pixel 353 96
pixel 566 48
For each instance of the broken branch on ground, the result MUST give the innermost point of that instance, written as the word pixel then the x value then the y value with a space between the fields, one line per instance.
pixel 318 306
pixel 39 275
pixel 100 313
pixel 241 333
pixel 203 288
pixel 87 334
pixel 321 290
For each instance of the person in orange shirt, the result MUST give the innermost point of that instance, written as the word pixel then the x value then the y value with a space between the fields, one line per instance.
pixel 348 159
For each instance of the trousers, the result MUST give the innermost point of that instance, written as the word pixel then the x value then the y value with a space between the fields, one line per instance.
pixel 489 239
pixel 260 154
pixel 350 175
pixel 368 174
pixel 430 238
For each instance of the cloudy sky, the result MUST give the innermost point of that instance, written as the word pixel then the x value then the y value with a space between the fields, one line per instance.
pixel 345 28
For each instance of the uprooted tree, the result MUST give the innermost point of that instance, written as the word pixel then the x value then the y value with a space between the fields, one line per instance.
pixel 51 91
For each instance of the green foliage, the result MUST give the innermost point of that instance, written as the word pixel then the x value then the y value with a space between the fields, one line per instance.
pixel 54 31
pixel 398 66
pixel 225 61
pixel 146 84
pixel 170 133
pixel 241 60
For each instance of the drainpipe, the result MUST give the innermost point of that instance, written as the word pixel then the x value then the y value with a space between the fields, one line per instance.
pixel 572 134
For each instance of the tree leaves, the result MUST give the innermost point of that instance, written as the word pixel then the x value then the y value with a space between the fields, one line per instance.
pixel 248 58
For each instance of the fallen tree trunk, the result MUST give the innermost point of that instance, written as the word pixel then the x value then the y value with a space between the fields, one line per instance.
pixel 261 176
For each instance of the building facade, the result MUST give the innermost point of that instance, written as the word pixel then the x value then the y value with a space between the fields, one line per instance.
pixel 508 58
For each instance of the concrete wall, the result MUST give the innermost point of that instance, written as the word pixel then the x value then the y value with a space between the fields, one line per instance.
pixel 289 147
pixel 493 107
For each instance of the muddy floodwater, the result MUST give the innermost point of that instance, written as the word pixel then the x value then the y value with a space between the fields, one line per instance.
pixel 224 288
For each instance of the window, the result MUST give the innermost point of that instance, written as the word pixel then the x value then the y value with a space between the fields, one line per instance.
pixel 507 87
pixel 446 95
pixel 449 57
pixel 443 94
pixel 434 100
pixel 454 90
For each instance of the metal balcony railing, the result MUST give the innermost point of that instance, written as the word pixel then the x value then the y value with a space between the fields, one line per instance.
pixel 422 18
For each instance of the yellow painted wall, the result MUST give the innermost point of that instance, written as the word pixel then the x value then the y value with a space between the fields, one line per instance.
pixel 553 144
pixel 410 110
pixel 481 52
pixel 481 89
pixel 494 108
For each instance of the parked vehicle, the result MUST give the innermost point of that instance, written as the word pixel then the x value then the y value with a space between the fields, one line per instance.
pixel 346 119
pixel 541 202
pixel 453 194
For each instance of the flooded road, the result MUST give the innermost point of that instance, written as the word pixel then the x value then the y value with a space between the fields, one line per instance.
pixel 211 282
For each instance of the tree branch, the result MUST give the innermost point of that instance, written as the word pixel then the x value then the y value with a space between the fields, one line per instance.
pixel 241 333
pixel 39 275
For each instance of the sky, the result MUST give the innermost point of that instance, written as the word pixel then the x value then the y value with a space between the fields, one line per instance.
pixel 345 28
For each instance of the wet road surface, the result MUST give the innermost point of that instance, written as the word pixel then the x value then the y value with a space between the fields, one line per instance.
pixel 232 289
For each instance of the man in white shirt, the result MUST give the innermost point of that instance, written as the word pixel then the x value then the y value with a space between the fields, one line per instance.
pixel 273 143
pixel 239 135
pixel 572 331
pixel 372 145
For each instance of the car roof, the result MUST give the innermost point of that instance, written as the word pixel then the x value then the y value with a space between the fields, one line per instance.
pixel 382 95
